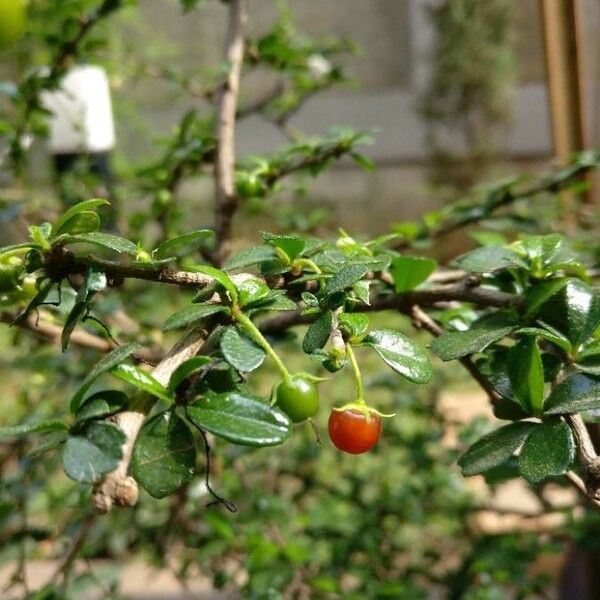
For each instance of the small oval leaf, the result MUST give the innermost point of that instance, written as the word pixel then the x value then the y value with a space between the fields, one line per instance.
pixel 494 448
pixel 548 451
pixel 94 452
pixel 240 351
pixel 401 354
pixel 164 455
pixel 241 418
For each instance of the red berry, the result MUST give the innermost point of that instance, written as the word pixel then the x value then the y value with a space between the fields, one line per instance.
pixel 350 432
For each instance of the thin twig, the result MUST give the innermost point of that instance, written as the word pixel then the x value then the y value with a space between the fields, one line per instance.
pixel 79 337
pixel 66 564
pixel 424 321
pixel 225 197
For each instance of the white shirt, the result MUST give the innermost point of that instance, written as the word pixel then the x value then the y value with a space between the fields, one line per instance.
pixel 82 119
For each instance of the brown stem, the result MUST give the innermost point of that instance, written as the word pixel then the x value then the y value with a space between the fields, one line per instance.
pixel 117 487
pixel 66 564
pixel 424 321
pixel 79 337
pixel 508 197
pixel 225 199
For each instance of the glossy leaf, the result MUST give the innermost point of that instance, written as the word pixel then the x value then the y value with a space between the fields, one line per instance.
pixel 81 223
pixel 345 277
pixel 318 333
pixel 541 293
pixel 101 404
pixel 409 272
pixel 106 240
pixel 185 369
pixel 548 451
pixel 526 374
pixel 574 310
pixel 456 344
pixel 494 448
pixel 164 455
pixel 142 380
pixel 93 452
pixel 240 351
pixel 401 354
pixel 112 359
pixel 489 259
pixel 183 244
pixel 252 290
pixel 250 256
pixel 576 393
pixel 192 314
pixel 292 245
pixel 33 427
pixel 241 419
pixel 353 324
pixel 218 276
pixel 86 205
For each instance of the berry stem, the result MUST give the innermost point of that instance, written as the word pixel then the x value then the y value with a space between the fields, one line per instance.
pixel 357 375
pixel 260 339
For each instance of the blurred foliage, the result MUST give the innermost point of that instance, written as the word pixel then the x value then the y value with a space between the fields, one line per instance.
pixel 473 71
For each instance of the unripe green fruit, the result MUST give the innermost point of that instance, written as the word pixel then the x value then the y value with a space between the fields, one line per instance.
pixel 8 277
pixel 12 21
pixel 298 398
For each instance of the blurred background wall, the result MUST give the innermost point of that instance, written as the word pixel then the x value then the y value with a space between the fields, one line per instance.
pixel 392 71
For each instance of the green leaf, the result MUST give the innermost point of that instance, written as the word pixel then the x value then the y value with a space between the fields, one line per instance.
pixel 456 344
pixel 548 451
pixel 489 259
pixel 164 455
pixel 252 290
pixel 185 369
pixel 494 448
pixel 101 404
pixel 86 205
pixel 240 351
pixel 541 293
pixel 82 222
pixel 250 256
pixel 241 419
pixel 362 161
pixel 93 452
pixel 401 354
pixel 574 394
pixel 318 333
pixel 219 276
pixel 112 359
pixel 275 300
pixel 574 310
pixel 361 289
pixel 35 427
pixel 77 312
pixel 191 314
pixel 526 374
pixel 310 300
pixel 106 240
pixel 40 234
pixel 354 325
pixel 95 281
pixel 550 335
pixel 142 380
pixel 183 244
pixel 345 277
pixel 292 245
pixel 409 272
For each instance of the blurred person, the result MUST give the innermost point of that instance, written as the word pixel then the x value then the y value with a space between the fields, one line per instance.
pixel 82 136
